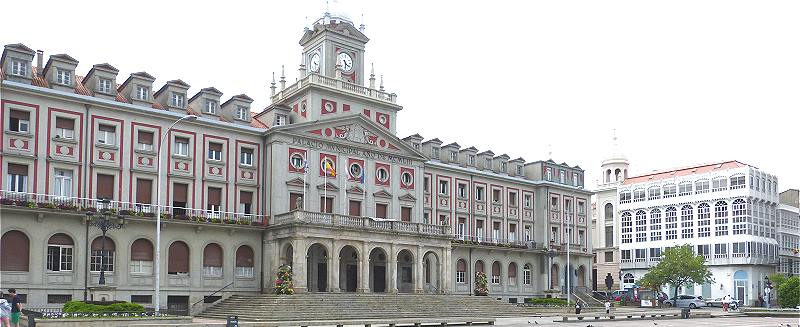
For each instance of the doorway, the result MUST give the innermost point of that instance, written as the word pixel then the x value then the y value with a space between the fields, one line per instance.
pixel 352 278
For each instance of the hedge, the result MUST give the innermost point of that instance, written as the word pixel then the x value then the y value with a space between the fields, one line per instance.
pixel 547 301
pixel 79 306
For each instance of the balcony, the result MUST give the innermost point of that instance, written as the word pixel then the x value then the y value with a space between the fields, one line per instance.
pixel 74 205
pixel 362 223
pixel 471 240
pixel 716 260
pixel 336 85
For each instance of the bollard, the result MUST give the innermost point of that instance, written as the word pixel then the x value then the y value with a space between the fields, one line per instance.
pixel 233 321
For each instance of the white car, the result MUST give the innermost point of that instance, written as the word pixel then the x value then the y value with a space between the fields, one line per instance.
pixel 686 301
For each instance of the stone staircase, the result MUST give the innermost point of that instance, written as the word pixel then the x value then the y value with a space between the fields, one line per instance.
pixel 584 295
pixel 354 306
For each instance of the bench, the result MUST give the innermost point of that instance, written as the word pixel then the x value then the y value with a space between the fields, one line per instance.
pixel 620 315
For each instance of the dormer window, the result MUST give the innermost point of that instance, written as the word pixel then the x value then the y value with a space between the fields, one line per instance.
pixel 549 173
pixel 503 166
pixel 104 85
pixel 574 179
pixel 519 170
pixel 178 100
pixel 242 113
pixel 19 68
pixel 142 92
pixel 280 120
pixel 435 152
pixel 562 177
pixel 63 76
pixel 488 163
pixel 416 146
pixel 211 107
pixel 471 160
pixel 453 156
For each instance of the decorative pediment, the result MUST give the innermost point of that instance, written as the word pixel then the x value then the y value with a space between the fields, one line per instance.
pixel 355 190
pixel 382 194
pixel 297 182
pixel 329 186
pixel 408 197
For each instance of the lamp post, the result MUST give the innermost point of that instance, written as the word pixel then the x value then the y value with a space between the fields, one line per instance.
pixel 158 210
pixel 104 224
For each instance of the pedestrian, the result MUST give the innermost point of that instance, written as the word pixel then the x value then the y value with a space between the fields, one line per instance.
pixel 608 307
pixel 726 301
pixel 5 311
pixel 16 307
pixel 577 308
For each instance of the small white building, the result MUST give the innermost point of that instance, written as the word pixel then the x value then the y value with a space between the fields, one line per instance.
pixel 726 211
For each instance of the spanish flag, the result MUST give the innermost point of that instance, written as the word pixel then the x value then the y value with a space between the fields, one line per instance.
pixel 329 169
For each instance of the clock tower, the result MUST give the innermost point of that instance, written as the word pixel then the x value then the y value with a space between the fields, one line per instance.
pixel 332 41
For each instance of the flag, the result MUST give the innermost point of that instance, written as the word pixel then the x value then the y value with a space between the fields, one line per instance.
pixel 329 168
pixel 363 174
pixel 305 167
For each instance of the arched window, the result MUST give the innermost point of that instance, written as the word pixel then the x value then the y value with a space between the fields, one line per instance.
pixel 687 221
pixel 14 251
pixel 654 193
pixel 512 274
pixel 655 219
pixel 244 262
pixel 739 208
pixel 609 212
pixel 720 212
pixel 617 175
pixel 142 257
pixel 97 254
pixel 59 252
pixel 628 278
pixel 212 260
pixel 608 176
pixel 461 271
pixel 496 272
pixel 627 227
pixel 526 274
pixel 178 261
pixel 478 266
pixel 687 213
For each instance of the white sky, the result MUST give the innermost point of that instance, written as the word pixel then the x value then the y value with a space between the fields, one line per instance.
pixel 683 82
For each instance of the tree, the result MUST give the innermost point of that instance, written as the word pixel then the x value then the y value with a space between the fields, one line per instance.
pixel 679 266
pixel 789 292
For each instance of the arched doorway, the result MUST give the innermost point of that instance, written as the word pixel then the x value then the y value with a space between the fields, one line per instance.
pixel 740 285
pixel 554 282
pixel 377 270
pixel 431 270
pixel 317 265
pixel 405 271
pixel 348 269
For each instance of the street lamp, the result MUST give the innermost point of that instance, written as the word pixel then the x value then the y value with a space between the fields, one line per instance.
pixel 158 210
pixel 104 224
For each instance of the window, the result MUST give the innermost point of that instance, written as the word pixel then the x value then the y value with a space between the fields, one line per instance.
pixel 435 152
pixel 737 182
pixel 246 202
pixel 609 236
pixel 14 251
pixel 721 230
pixel 59 253
pixel 104 85
pixel 182 146
pixel 496 232
pixel 406 178
pixel 626 255
pixel 65 128
pixel 720 250
pixel 19 121
pixel 58 298
pixel 549 173
pixel 554 235
pixel 654 193
pixel 487 164
pixel 17 178
pixel 527 233
pixel 178 258
pixel 519 170
pixel 562 177
pixel 141 261
pixel 609 256
pixel 462 190
pixel 503 166
pixel 19 68
pixel 574 179
pixel 211 107
pixel 685 188
pixel 512 233
pixel 145 140
pixel 142 299
pixel 461 271
pixel 625 197
pixel 638 195
pixel 244 262
pixel 655 219
pixel 554 203
pixel 655 253
pixel 142 92
pixel 62 183
pixel 214 205
pixel 721 213
pixel 719 184
pixel 479 193
pixel 527 201
pixel 526 274
pixel 63 76
pixel 405 214
pixel 496 197
pixel 701 186
pixel 212 261
pixel 512 274
pixel 512 199
pixel 242 113
pixel 177 100
pixel 326 204
pixel 246 157
pixel 453 156
pixel 671 234
pixel 628 278
pixel 382 175
pixel 479 230
pixel 471 160
pixel 280 120
pixel 444 187
pixel 107 135
pixel 298 162
pixel 426 182
pixel 215 151
pixel 496 273
pixel 669 191
pixel 96 260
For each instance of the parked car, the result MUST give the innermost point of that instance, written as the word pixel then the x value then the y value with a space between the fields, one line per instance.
pixel 686 301
pixel 617 295
pixel 718 302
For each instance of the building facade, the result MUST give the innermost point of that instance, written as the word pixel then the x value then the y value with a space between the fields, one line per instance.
pixel 317 180
pixel 789 233
pixel 726 211
pixel 605 221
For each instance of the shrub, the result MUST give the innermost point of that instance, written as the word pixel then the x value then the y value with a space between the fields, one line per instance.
pixel 283 282
pixel 548 301
pixel 80 306
pixel 789 292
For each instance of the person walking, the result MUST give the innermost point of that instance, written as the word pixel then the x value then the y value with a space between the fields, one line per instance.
pixel 16 307
pixel 608 307
pixel 577 308
pixel 5 311
pixel 726 301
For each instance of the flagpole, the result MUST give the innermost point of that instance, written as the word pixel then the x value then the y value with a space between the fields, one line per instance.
pixel 305 177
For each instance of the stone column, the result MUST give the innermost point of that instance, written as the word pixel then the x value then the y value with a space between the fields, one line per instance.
pixel 419 271
pixel 363 269
pixel 392 269
pixel 333 268
pixel 299 265
pixel 447 276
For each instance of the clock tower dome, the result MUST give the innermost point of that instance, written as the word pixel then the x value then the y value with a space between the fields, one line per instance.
pixel 332 43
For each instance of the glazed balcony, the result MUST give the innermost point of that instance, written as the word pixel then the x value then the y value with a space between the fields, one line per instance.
pixel 46 203
pixel 360 223
pixel 334 84
pixel 514 243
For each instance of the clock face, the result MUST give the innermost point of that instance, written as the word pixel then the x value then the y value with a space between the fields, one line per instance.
pixel 345 61
pixel 314 62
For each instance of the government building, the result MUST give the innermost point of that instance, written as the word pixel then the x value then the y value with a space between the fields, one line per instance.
pixel 318 180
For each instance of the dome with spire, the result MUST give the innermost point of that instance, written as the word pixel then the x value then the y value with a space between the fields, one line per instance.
pixel 616 152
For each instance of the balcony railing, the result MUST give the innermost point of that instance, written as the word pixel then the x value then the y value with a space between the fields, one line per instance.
pixel 499 242
pixel 38 201
pixel 337 84
pixel 367 223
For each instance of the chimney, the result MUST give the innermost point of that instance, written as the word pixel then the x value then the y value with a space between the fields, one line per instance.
pixel 39 61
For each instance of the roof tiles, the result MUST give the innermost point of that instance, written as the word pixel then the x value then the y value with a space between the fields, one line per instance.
pixel 705 168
